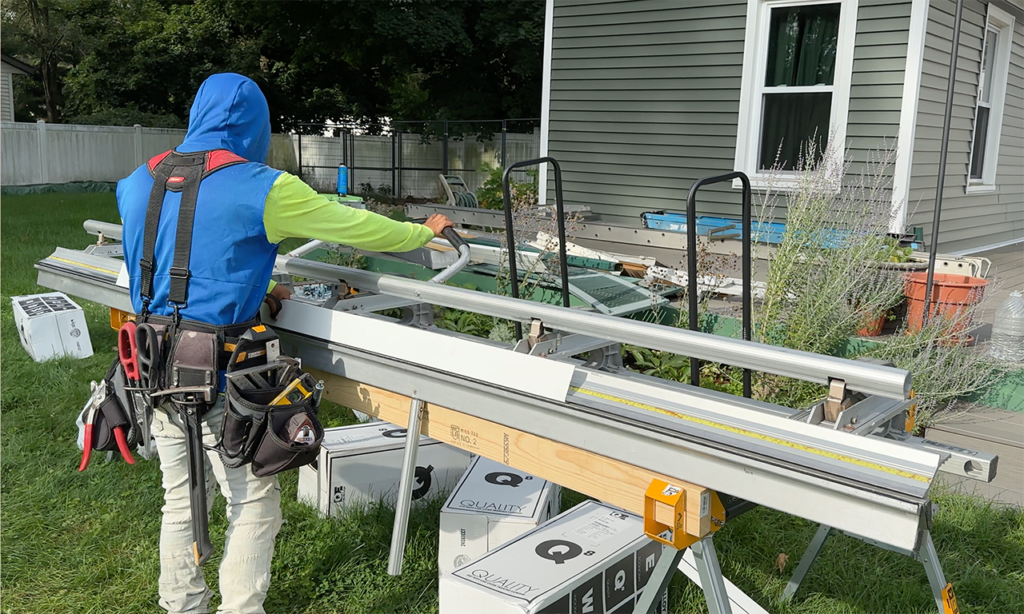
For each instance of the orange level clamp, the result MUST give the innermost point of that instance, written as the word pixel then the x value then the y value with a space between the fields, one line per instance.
pixel 118 318
pixel 911 421
pixel 680 514
pixel 949 605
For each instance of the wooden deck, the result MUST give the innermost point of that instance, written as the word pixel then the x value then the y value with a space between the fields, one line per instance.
pixel 1006 275
pixel 995 431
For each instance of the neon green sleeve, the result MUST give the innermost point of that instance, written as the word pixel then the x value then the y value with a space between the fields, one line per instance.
pixel 293 209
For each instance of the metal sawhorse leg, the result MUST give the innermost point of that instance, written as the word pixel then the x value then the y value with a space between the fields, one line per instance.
pixel 711 579
pixel 942 591
pixel 404 503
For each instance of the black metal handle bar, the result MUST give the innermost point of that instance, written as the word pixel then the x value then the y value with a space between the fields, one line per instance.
pixel 691 264
pixel 450 235
pixel 510 232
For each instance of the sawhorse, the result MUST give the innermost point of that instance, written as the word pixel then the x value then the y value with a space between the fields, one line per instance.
pixel 711 580
pixel 925 553
pixel 679 516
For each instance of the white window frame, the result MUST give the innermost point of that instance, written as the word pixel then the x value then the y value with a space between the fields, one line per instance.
pixel 755 58
pixel 1002 23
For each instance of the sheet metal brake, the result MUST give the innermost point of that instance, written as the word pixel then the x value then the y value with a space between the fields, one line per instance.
pixel 559 404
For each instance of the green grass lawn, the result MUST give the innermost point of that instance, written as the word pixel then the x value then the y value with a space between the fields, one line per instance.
pixel 88 542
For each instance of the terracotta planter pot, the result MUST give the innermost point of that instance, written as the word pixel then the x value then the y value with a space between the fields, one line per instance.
pixel 873 327
pixel 952 295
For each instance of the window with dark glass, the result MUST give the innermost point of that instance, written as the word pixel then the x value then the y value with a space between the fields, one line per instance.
pixel 984 109
pixel 796 99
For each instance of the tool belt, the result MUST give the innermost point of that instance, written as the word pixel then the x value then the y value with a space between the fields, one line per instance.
pixel 196 349
pixel 263 424
pixel 270 414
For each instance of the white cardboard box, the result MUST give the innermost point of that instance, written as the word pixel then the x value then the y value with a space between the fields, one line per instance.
pixel 363 463
pixel 492 504
pixel 51 325
pixel 591 559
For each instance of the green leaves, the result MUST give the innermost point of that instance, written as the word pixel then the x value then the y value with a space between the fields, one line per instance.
pixel 315 61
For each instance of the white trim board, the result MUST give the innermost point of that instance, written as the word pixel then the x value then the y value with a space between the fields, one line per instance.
pixel 987 248
pixel 545 100
pixel 908 114
pixel 497 366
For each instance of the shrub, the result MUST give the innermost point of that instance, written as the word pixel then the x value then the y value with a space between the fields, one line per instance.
pixel 827 276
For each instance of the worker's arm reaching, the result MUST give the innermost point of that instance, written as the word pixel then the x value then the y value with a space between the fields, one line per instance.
pixel 295 210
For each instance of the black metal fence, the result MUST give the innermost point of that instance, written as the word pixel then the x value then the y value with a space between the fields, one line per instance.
pixel 405 161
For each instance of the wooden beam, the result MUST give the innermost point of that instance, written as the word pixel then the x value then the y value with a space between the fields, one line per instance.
pixel 603 478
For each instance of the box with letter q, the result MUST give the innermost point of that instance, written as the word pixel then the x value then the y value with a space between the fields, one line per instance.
pixel 363 463
pixel 593 558
pixel 492 504
pixel 51 325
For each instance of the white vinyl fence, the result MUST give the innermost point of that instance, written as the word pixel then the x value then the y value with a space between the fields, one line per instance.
pixel 41 153
pixel 59 153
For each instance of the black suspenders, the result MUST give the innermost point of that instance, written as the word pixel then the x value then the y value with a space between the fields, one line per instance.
pixel 176 172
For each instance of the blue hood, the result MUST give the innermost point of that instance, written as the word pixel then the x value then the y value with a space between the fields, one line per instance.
pixel 230 112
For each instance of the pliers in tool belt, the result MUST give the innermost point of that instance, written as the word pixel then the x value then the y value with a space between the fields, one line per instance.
pixel 99 394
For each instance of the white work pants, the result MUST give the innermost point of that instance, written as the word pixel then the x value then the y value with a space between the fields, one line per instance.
pixel 254 518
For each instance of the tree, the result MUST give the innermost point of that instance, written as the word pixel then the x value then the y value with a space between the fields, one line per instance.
pixel 431 59
pixel 345 61
pixel 147 61
pixel 43 33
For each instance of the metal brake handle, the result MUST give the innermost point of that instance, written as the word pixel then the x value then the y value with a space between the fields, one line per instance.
pixel 450 235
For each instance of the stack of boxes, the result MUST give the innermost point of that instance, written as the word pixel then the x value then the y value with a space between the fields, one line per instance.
pixel 503 547
pixel 363 463
pixel 593 558
pixel 492 504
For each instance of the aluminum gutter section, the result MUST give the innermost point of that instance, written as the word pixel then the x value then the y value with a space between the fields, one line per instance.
pixel 863 497
pixel 109 230
pixel 886 516
pixel 93 278
pixel 863 377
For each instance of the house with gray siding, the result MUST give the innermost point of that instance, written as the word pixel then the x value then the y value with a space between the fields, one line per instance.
pixel 644 97
pixel 9 67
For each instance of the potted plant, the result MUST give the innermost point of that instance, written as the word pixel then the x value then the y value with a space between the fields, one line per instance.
pixel 872 327
pixel 889 256
pixel 891 252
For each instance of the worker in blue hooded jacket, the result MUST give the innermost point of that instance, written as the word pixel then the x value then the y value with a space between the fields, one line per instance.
pixel 244 209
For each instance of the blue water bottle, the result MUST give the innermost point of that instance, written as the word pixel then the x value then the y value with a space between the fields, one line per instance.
pixel 342 180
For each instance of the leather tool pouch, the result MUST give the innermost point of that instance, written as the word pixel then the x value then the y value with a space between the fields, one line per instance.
pixel 115 412
pixel 273 437
pixel 192 367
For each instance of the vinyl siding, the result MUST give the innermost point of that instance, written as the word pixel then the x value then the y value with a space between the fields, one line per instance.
pixel 968 220
pixel 6 98
pixel 645 99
